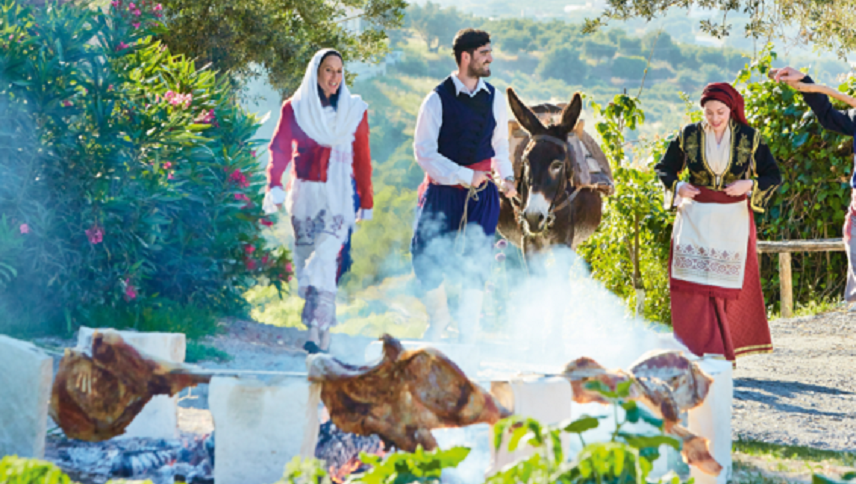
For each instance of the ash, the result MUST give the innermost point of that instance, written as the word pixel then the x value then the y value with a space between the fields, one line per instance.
pixel 341 450
pixel 189 459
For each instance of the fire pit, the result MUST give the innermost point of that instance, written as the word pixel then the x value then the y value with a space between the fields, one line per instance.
pixel 190 459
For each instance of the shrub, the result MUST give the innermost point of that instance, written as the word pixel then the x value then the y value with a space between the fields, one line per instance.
pixel 627 67
pixel 132 171
pixel 562 63
pixel 630 249
pixel 412 65
pixel 816 167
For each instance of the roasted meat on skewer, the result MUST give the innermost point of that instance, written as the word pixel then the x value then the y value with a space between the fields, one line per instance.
pixel 95 397
pixel 403 397
pixel 666 382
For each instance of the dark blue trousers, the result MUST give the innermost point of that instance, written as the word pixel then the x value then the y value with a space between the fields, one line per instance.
pixel 440 251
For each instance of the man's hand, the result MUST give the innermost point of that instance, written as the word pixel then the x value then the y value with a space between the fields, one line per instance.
pixel 479 177
pixel 507 187
pixel 787 74
pixel 739 188
pixel 688 191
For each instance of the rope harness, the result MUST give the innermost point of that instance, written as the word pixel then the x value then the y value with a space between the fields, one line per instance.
pixel 472 194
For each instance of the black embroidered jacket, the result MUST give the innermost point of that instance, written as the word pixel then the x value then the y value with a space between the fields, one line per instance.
pixel 750 160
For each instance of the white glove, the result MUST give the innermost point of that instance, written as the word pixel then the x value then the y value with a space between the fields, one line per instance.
pixel 364 214
pixel 273 198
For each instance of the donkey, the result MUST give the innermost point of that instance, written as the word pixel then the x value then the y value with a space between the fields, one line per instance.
pixel 550 209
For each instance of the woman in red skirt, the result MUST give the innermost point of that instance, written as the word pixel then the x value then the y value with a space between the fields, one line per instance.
pixel 717 303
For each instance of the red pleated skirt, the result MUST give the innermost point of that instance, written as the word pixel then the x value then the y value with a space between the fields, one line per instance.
pixel 714 320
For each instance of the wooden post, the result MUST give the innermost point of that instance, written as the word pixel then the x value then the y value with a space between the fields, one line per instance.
pixel 786 284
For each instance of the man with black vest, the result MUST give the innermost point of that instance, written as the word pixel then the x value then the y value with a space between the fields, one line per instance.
pixel 461 137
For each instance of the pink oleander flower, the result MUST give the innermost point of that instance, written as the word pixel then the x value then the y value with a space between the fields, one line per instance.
pixel 158 8
pixel 288 267
pixel 170 176
pixel 116 3
pixel 264 260
pixel 167 165
pixel 95 235
pixel 24 228
pixel 500 257
pixel 501 244
pixel 251 264
pixel 66 103
pixel 253 153
pixel 136 25
pixel 239 178
pixel 130 291
pixel 131 6
pixel 177 99
pixel 122 46
pixel 241 196
pixel 266 222
pixel 137 13
pixel 207 118
pixel 249 249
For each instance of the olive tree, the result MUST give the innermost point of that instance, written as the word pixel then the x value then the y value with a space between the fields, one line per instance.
pixel 829 25
pixel 279 35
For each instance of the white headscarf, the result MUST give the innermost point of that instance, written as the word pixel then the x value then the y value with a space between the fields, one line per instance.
pixel 310 114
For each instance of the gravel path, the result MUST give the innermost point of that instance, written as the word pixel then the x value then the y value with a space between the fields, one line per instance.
pixel 804 393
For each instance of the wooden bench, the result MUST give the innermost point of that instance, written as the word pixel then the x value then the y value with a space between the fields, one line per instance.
pixel 784 249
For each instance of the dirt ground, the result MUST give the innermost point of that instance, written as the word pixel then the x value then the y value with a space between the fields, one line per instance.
pixel 804 393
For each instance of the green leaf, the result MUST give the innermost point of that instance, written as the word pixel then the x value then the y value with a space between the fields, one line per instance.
pixel 582 424
pixel 623 388
pixel 799 140
pixel 600 387
pixel 518 433
pixel 647 441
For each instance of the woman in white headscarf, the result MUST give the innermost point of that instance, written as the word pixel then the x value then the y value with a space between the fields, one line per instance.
pixel 323 133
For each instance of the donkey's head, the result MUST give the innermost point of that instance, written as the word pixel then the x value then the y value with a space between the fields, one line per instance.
pixel 547 160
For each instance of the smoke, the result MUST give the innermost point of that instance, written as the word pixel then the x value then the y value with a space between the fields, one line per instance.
pixel 549 311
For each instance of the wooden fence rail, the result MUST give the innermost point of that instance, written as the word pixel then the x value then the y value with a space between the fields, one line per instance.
pixel 784 250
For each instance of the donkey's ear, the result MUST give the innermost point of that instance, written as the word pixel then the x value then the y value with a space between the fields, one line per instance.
pixel 524 115
pixel 571 113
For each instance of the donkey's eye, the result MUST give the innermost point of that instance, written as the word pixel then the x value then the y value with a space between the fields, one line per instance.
pixel 556 165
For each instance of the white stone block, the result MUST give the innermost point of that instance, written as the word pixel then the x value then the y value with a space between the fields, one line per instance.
pixel 159 418
pixel 546 399
pixel 26 374
pixel 261 426
pixel 712 419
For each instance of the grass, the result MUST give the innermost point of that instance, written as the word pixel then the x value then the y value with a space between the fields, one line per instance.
pixel 197 352
pixel 758 462
pixel 388 307
pixel 778 451
pixel 812 308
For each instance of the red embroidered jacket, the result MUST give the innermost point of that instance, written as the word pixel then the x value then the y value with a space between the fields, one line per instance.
pixel 290 143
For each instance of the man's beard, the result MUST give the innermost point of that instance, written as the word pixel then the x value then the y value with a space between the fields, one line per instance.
pixel 482 71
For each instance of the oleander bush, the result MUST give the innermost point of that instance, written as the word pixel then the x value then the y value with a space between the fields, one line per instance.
pixel 128 180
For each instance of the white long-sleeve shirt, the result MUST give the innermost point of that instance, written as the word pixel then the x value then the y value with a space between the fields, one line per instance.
pixel 443 170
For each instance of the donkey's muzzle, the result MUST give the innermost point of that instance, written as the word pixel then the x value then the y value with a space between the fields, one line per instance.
pixel 535 221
